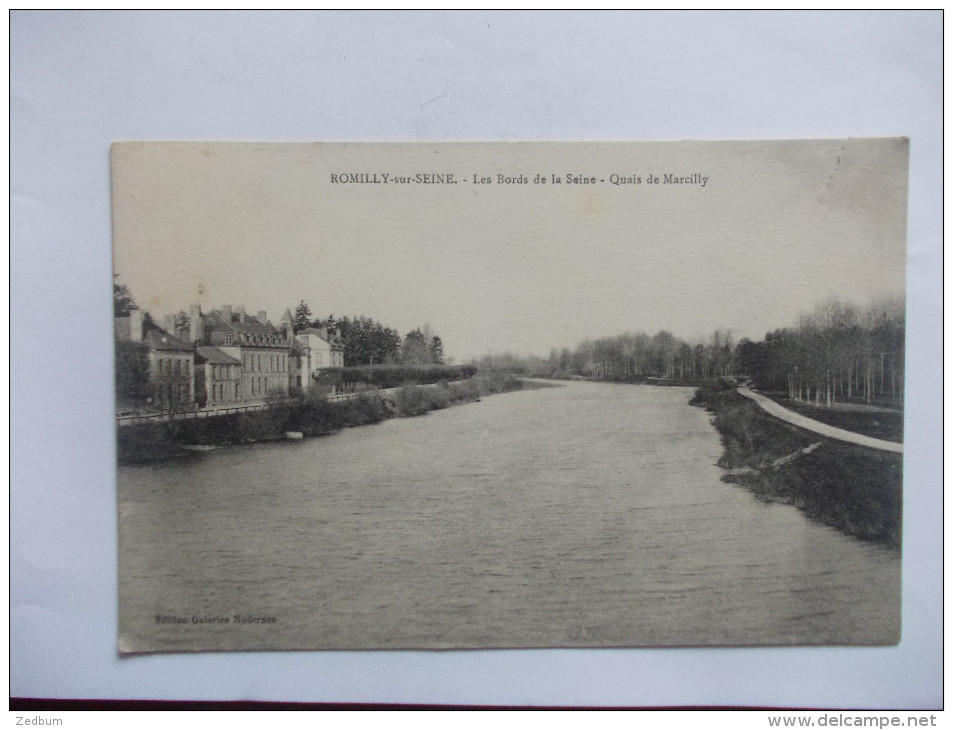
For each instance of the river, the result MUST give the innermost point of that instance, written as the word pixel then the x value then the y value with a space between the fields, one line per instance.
pixel 585 515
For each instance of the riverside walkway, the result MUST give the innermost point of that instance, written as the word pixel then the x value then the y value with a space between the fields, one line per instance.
pixel 809 424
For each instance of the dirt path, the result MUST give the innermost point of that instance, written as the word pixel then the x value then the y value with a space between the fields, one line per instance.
pixel 809 424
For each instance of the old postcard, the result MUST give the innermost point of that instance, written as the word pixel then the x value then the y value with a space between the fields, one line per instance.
pixel 509 395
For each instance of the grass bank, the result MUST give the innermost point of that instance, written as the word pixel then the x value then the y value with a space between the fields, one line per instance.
pixel 310 415
pixel 855 489
pixel 879 423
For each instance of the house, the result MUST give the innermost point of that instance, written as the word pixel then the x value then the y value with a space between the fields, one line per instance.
pixel 298 376
pixel 218 379
pixel 324 349
pixel 171 361
pixel 258 348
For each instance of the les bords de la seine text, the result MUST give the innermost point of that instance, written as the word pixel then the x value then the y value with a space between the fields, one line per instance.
pixel 689 178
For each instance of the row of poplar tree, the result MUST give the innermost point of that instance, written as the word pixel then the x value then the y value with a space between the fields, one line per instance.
pixel 838 352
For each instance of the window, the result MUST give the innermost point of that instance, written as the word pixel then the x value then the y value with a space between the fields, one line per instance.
pixel 228 338
pixel 236 391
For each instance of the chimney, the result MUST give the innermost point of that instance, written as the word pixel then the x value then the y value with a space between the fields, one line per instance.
pixel 262 316
pixel 227 313
pixel 241 314
pixel 168 323
pixel 196 330
pixel 135 325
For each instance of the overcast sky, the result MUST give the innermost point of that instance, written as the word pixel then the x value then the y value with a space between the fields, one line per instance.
pixel 774 229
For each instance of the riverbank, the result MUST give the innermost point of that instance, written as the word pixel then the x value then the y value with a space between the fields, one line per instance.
pixel 854 489
pixel 690 382
pixel 306 415
pixel 873 421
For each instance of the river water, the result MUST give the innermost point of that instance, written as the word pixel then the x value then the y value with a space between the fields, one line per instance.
pixel 584 515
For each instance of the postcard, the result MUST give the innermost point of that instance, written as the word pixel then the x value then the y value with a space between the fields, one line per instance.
pixel 509 395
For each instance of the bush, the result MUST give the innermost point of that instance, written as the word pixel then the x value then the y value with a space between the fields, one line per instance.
pixel 144 443
pixel 313 415
pixel 412 400
pixel 438 397
pixel 466 391
pixel 365 409
pixel 499 382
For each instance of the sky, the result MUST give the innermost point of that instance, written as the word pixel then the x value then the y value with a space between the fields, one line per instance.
pixel 752 236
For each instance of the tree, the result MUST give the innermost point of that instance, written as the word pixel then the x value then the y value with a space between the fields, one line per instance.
pixel 366 342
pixel 415 349
pixel 436 350
pixel 182 321
pixel 123 303
pixel 302 317
pixel 133 387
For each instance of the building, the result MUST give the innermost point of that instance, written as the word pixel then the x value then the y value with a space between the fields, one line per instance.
pixel 220 358
pixel 324 349
pixel 218 377
pixel 260 350
pixel 171 361
pixel 298 376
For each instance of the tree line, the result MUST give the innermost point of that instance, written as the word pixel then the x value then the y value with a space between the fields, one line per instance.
pixel 837 352
pixel 368 342
pixel 630 357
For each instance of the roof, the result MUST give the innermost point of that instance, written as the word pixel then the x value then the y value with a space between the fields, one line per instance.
pixel 216 356
pixel 158 339
pixel 215 321
pixel 333 340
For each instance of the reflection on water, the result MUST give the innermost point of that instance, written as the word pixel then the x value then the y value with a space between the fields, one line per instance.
pixel 586 515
